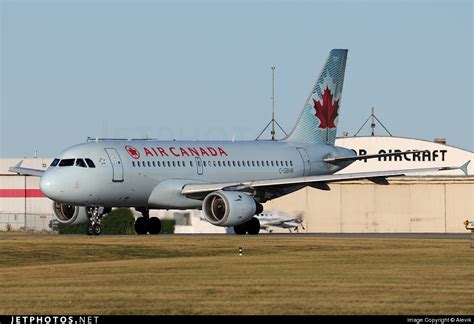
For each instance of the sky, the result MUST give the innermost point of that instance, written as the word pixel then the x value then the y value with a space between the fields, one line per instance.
pixel 200 70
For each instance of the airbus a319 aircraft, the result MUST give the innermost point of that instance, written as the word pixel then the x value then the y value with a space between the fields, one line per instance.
pixel 228 180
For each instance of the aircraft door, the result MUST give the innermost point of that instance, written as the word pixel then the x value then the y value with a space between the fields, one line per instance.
pixel 116 162
pixel 199 166
pixel 306 161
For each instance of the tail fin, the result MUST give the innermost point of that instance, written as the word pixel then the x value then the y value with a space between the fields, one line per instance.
pixel 318 120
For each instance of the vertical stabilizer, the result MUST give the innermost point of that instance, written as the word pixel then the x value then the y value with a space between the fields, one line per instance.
pixel 318 120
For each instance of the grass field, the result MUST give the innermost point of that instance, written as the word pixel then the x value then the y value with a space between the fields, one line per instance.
pixel 284 274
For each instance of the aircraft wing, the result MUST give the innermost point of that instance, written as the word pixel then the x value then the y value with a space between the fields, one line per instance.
pixel 376 176
pixel 26 171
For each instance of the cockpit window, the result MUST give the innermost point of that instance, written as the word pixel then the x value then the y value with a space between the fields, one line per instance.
pixel 81 163
pixel 66 162
pixel 55 162
pixel 90 163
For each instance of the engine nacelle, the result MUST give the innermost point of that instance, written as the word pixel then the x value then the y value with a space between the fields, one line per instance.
pixel 228 208
pixel 70 214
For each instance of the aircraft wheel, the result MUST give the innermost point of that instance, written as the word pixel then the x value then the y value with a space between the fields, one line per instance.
pixel 154 225
pixel 141 225
pixel 97 229
pixel 253 226
pixel 240 229
pixel 90 230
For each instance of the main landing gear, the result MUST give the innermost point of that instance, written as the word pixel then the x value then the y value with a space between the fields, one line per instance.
pixel 147 224
pixel 251 227
pixel 95 218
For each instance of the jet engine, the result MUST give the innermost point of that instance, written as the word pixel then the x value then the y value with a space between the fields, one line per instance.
pixel 228 208
pixel 70 214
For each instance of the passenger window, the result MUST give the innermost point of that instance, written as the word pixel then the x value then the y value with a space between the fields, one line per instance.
pixel 179 163
pixel 286 163
pixel 233 163
pixel 66 162
pixel 243 163
pixel 81 163
pixel 133 163
pixel 291 163
pixel 204 162
pixel 174 164
pixel 268 164
pixel 55 162
pixel 253 163
pixel 138 163
pixel 191 163
pixel 214 162
pixel 272 163
pixel 169 164
pixel 277 163
pixel 184 163
pixel 153 162
pixel 158 163
pixel 149 164
pixel 219 163
pixel 238 163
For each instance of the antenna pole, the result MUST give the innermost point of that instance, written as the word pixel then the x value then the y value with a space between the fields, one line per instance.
pixel 273 121
pixel 372 125
pixel 273 103
pixel 373 121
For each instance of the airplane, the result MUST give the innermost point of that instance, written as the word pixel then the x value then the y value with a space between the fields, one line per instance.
pixel 272 218
pixel 228 180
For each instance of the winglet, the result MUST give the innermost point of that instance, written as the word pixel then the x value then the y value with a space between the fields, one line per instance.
pixel 18 165
pixel 464 167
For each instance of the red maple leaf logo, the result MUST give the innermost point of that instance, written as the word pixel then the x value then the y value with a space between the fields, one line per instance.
pixel 132 151
pixel 326 111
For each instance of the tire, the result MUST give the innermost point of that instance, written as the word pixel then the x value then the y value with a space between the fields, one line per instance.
pixel 97 229
pixel 90 230
pixel 141 226
pixel 154 225
pixel 253 226
pixel 240 229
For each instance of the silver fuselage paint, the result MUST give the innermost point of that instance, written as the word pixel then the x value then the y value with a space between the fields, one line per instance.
pixel 116 182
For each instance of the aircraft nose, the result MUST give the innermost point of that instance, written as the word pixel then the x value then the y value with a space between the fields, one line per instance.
pixel 49 186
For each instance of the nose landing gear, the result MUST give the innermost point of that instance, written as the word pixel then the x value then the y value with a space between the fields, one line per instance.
pixel 95 218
